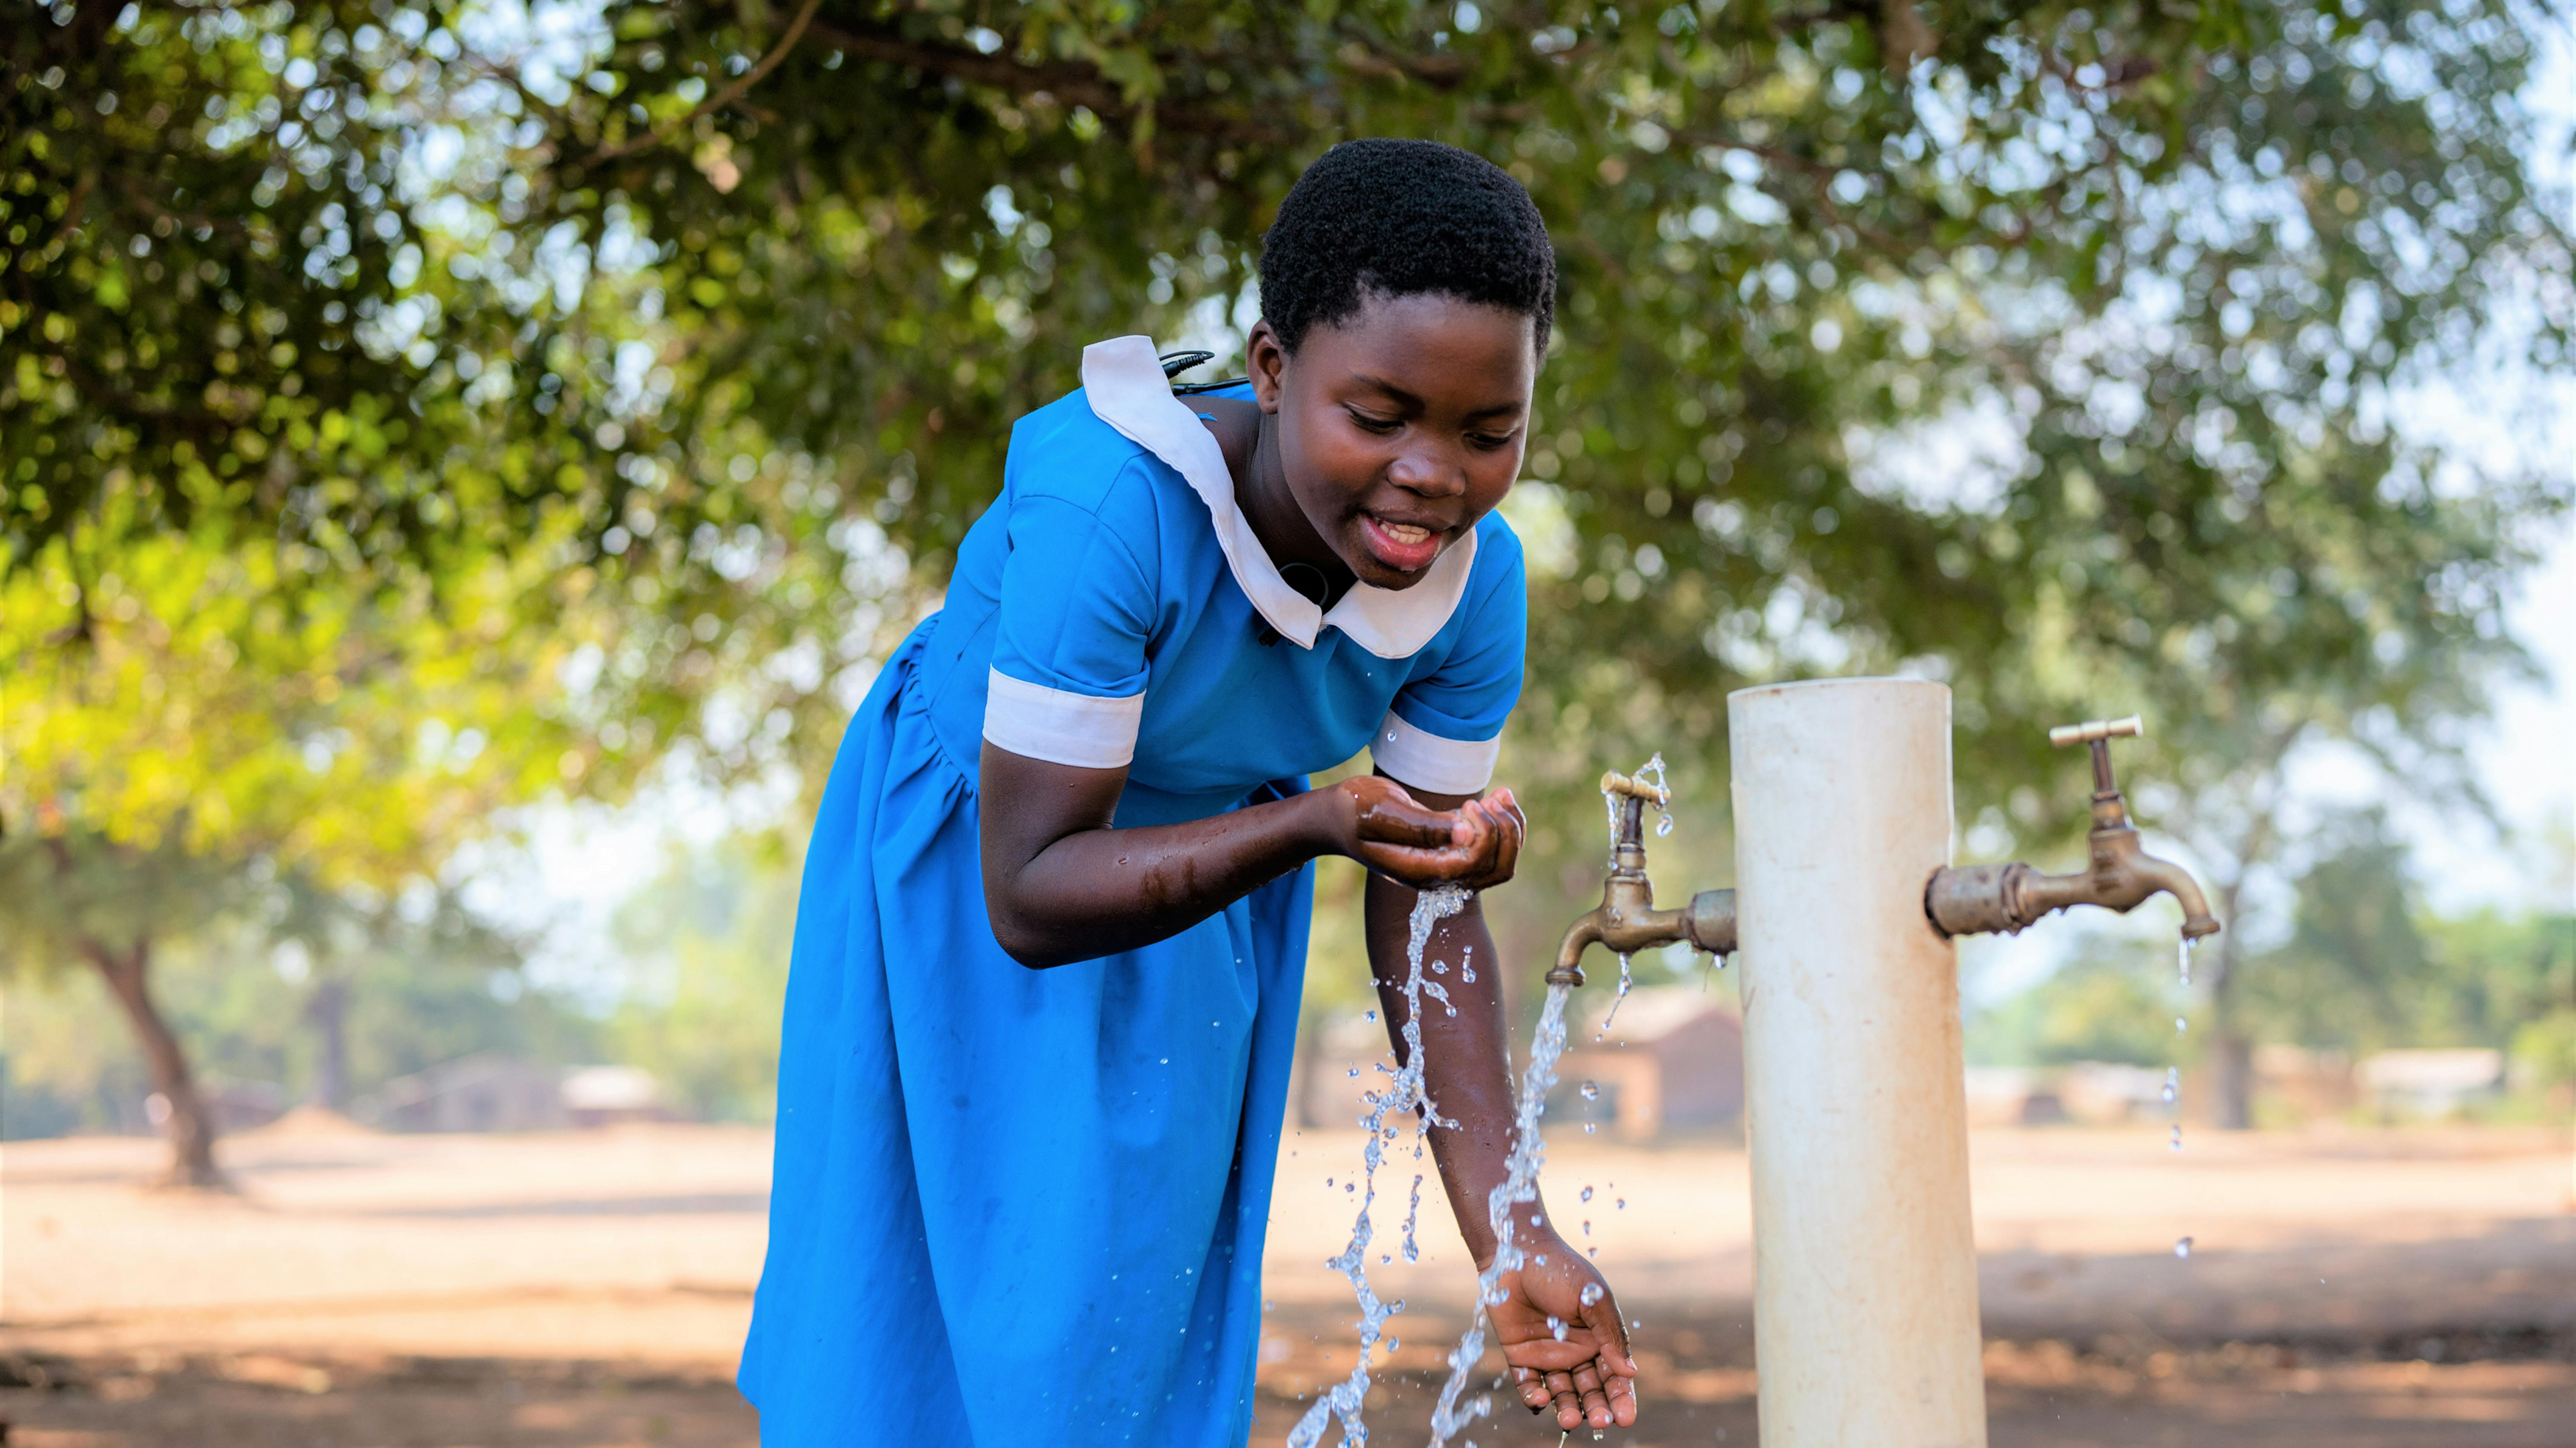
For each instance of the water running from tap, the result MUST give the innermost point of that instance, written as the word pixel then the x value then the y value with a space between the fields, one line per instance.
pixel 1406 1093
pixel 2173 1074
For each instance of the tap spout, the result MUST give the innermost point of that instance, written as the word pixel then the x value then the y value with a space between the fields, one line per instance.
pixel 1983 898
pixel 1626 920
pixel 2123 876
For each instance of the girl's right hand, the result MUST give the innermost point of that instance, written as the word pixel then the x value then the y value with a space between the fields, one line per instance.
pixel 1476 845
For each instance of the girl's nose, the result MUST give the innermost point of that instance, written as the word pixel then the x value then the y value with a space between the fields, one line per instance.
pixel 1429 471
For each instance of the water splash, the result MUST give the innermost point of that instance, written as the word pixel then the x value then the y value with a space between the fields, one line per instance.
pixel 1520 1184
pixel 1406 1093
pixel 1655 768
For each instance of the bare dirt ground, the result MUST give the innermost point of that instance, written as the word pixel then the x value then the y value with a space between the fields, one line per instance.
pixel 583 1290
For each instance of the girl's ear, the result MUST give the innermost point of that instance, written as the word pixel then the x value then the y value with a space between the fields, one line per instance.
pixel 1267 362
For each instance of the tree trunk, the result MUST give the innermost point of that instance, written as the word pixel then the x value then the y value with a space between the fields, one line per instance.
pixel 2231 1080
pixel 191 1127
pixel 327 1009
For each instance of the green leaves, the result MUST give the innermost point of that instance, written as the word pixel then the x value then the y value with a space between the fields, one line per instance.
pixel 2049 350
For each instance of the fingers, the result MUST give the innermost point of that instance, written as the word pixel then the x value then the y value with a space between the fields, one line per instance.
pixel 1510 830
pixel 1622 1392
pixel 1533 1388
pixel 1398 820
pixel 1561 1394
pixel 1602 1316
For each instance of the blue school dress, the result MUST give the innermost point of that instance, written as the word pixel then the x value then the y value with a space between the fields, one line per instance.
pixel 1026 1207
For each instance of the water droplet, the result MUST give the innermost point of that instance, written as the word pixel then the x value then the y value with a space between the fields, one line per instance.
pixel 1587 1194
pixel 2182 1248
pixel 2176 1143
pixel 1372 1015
pixel 1591 1091
pixel 1556 1328
pixel 1355 1072
pixel 2173 1083
pixel 1167 1060
pixel 1622 1204
pixel 1589 1128
pixel 1663 827
pixel 2181 1025
pixel 1587 1226
pixel 1592 1293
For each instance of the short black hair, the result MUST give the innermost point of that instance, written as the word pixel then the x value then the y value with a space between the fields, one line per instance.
pixel 1399 218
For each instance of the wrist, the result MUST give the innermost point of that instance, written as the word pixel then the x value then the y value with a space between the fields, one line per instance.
pixel 1328 822
pixel 1530 1237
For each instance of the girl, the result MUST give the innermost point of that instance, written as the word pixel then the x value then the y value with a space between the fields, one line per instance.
pixel 1053 930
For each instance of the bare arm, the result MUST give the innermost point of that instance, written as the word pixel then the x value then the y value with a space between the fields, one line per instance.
pixel 1466 1067
pixel 1062 883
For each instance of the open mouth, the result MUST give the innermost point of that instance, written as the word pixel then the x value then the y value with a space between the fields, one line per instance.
pixel 1404 547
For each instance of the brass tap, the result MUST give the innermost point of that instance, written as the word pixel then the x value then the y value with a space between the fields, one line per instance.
pixel 1626 920
pixel 1983 898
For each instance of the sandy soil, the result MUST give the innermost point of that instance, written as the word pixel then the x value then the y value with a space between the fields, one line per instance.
pixel 590 1288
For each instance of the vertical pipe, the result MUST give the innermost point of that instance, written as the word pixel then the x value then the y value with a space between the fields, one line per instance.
pixel 1865 1266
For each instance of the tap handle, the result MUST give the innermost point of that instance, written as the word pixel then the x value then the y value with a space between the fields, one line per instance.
pixel 1613 782
pixel 2099 733
pixel 2094 731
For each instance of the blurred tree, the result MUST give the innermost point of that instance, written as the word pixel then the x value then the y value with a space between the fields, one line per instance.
pixel 2099 1007
pixel 2367 967
pixel 709 945
pixel 72 899
pixel 213 728
pixel 240 998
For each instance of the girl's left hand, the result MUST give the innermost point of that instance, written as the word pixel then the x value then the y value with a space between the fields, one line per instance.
pixel 1477 845
pixel 1588 1374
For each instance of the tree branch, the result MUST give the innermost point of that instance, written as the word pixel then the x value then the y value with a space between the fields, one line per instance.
pixel 1072 82
pixel 658 135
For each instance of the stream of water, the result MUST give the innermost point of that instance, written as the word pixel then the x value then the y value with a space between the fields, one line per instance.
pixel 1406 1093
pixel 1520 1184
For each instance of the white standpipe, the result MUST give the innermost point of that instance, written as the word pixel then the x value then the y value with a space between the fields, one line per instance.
pixel 1865 1264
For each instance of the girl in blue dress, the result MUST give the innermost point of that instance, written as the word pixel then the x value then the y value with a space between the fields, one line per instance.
pixel 1053 932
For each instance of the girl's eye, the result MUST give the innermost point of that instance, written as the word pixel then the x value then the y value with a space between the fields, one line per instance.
pixel 1489 441
pixel 1379 425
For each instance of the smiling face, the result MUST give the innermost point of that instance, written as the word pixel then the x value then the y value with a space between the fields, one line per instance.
pixel 1401 426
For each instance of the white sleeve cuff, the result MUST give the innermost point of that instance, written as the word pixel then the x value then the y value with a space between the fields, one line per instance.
pixel 1427 761
pixel 1059 726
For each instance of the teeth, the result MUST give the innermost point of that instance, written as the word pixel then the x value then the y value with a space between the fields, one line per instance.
pixel 1404 532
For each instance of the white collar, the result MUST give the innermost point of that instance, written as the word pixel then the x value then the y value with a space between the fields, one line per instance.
pixel 1124 382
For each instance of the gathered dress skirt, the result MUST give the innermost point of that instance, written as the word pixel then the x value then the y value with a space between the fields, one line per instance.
pixel 1010 1206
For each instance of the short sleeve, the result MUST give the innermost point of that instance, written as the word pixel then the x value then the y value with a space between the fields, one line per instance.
pixel 1445 731
pixel 1075 613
